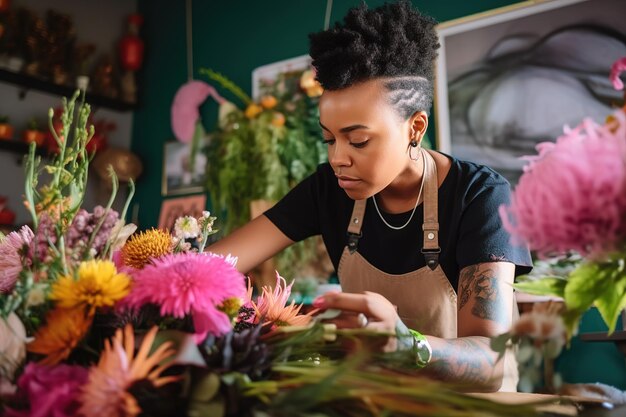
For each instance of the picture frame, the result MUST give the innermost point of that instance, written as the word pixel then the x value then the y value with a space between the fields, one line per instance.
pixel 490 107
pixel 270 72
pixel 173 208
pixel 177 178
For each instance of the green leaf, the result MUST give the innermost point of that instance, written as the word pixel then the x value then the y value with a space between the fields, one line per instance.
pixel 585 284
pixel 554 286
pixel 498 343
pixel 613 299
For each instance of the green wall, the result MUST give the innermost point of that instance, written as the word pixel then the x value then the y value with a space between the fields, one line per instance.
pixel 232 37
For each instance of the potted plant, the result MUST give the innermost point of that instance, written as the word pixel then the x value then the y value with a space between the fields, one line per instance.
pixel 6 130
pixel 33 133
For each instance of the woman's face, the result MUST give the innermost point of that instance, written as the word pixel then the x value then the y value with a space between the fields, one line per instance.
pixel 367 140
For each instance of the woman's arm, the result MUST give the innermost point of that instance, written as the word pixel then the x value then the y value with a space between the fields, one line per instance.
pixel 252 243
pixel 485 308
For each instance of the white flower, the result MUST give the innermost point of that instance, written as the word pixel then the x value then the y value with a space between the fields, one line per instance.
pixel 12 345
pixel 120 233
pixel 206 214
pixel 36 296
pixel 186 227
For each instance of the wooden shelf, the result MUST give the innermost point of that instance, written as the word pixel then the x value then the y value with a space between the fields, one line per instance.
pixel 33 83
pixel 19 147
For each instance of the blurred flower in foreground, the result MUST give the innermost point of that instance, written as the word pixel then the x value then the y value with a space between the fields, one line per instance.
pixel 580 181
pixel 63 330
pixel 106 392
pixel 49 390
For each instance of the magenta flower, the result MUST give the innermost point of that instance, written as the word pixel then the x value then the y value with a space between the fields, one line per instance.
pixel 572 196
pixel 190 283
pixel 13 252
pixel 617 68
pixel 51 391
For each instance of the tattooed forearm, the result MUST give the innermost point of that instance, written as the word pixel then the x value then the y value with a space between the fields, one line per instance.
pixel 482 287
pixel 466 361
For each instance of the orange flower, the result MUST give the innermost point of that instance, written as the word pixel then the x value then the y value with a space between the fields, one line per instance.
pixel 106 392
pixel 271 306
pixel 268 101
pixel 64 328
pixel 310 85
pixel 278 119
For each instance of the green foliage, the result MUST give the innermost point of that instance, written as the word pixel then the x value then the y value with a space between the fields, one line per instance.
pixel 257 158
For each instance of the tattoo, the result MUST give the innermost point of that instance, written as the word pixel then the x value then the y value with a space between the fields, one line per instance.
pixel 483 285
pixel 464 284
pixel 466 361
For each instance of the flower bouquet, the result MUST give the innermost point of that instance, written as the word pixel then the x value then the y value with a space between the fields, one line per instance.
pixel 97 320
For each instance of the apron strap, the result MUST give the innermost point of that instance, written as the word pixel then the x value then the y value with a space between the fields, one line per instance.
pixel 356 222
pixel 430 248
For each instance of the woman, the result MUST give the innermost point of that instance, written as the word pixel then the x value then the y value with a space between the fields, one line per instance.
pixel 407 229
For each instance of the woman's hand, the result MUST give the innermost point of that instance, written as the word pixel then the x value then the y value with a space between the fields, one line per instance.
pixel 376 312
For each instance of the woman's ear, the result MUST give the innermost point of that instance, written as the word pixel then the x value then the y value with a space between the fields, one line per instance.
pixel 418 123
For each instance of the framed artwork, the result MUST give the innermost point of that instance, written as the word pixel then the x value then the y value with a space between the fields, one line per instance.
pixel 267 74
pixel 173 208
pixel 513 77
pixel 180 176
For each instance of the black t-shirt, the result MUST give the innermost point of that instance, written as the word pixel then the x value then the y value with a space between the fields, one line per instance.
pixel 470 229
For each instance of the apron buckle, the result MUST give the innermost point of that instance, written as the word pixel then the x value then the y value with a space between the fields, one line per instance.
pixel 432 257
pixel 353 241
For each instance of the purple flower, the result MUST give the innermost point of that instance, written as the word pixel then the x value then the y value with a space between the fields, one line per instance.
pixel 572 195
pixel 51 391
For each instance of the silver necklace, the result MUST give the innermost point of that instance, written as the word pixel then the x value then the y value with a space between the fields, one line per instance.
pixel 419 195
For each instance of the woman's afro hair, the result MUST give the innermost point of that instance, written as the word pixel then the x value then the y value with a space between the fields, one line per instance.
pixel 394 40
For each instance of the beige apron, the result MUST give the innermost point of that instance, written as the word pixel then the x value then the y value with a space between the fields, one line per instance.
pixel 424 298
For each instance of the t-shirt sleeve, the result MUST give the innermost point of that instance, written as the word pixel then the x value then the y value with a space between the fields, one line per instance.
pixel 482 237
pixel 296 214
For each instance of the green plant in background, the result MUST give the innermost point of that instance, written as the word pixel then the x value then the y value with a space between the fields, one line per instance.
pixel 261 152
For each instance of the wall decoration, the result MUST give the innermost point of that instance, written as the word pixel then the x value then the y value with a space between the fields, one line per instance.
pixel 265 76
pixel 180 176
pixel 173 208
pixel 512 78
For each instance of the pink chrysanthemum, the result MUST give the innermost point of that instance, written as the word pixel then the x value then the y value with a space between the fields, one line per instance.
pixel 50 390
pixel 190 284
pixel 271 306
pixel 12 249
pixel 572 196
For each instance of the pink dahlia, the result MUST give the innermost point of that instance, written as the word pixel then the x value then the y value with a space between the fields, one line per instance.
pixel 572 195
pixel 13 252
pixel 193 284
pixel 51 391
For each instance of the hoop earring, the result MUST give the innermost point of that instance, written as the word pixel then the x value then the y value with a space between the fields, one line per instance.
pixel 413 145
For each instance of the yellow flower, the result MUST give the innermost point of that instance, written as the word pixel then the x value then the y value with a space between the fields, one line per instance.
pixel 106 391
pixel 144 246
pixel 253 110
pixel 98 285
pixel 63 330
